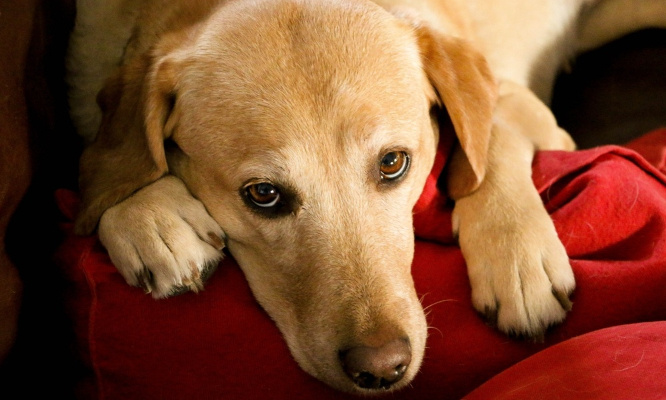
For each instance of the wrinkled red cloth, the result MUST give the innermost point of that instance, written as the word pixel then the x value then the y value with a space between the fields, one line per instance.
pixel 617 363
pixel 608 205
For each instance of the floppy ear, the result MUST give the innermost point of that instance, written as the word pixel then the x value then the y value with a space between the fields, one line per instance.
pixel 465 85
pixel 128 152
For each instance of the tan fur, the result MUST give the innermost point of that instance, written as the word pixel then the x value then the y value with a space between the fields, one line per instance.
pixel 309 95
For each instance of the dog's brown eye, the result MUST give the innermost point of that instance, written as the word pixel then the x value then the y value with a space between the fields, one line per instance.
pixel 394 165
pixel 263 194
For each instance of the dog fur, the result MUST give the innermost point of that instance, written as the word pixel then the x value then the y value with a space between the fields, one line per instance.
pixel 201 101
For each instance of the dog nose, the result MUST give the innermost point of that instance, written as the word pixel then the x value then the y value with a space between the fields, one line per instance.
pixel 377 367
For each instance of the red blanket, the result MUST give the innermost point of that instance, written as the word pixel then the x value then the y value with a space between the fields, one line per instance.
pixel 609 208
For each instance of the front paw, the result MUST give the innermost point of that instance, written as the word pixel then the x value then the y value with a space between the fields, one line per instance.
pixel 162 239
pixel 519 271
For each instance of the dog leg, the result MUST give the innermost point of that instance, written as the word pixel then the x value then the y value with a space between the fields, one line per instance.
pixel 96 47
pixel 610 19
pixel 537 122
pixel 518 268
pixel 162 239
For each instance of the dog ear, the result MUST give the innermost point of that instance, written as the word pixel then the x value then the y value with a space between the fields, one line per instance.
pixel 465 85
pixel 128 152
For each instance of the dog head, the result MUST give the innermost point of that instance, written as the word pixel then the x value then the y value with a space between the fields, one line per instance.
pixel 307 128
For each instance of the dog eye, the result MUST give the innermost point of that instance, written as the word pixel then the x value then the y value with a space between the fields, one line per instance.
pixel 263 194
pixel 393 165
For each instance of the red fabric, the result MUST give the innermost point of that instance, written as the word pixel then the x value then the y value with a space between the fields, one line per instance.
pixel 608 205
pixel 651 147
pixel 617 363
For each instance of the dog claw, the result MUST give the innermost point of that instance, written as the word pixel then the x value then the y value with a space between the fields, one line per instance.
pixel 490 315
pixel 216 241
pixel 145 280
pixel 563 299
pixel 196 282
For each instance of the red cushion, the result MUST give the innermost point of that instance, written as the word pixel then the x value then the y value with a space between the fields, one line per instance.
pixel 621 362
pixel 608 205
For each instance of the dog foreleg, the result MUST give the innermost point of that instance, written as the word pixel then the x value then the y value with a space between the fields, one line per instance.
pixel 97 43
pixel 518 268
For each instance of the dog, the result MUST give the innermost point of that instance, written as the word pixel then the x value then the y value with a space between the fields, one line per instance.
pixel 298 135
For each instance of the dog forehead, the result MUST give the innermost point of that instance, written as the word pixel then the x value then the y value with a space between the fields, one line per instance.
pixel 329 76
pixel 293 19
pixel 349 151
pixel 302 47
pixel 276 70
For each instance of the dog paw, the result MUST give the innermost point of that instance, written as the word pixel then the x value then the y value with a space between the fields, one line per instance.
pixel 162 239
pixel 518 269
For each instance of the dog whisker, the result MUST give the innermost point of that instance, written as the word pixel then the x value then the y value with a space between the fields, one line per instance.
pixel 429 306
pixel 429 328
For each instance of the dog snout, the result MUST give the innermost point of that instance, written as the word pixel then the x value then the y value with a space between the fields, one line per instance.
pixel 377 367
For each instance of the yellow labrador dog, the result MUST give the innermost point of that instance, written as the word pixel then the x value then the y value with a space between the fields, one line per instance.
pixel 299 134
